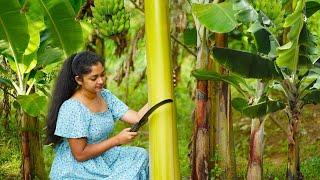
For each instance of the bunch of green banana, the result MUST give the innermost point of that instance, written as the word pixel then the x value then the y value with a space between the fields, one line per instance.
pixel 110 17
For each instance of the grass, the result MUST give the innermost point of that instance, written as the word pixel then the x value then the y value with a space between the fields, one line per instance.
pixel 10 155
pixel 311 167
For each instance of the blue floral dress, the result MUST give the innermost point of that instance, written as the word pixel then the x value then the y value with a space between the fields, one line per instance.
pixel 75 120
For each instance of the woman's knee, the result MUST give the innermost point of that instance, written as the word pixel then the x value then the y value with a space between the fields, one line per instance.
pixel 143 152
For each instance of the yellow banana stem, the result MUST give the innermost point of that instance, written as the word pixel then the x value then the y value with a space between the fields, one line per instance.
pixel 164 163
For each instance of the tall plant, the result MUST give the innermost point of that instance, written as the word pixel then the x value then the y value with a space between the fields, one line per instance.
pixel 290 67
pixel 217 105
pixel 164 160
pixel 299 50
pixel 31 36
pixel 200 137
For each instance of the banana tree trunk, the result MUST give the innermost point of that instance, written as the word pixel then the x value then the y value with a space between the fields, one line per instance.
pixel 199 155
pixel 33 161
pixel 255 163
pixel 293 167
pixel 224 124
pixel 26 163
pixel 200 141
pixel 212 107
pixel 164 163
pixel 293 112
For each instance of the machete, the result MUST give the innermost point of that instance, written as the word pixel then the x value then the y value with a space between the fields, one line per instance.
pixel 145 117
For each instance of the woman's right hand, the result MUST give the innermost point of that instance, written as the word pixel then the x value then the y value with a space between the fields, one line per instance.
pixel 125 136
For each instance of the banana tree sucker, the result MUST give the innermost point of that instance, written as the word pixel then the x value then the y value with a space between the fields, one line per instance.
pixel 23 45
pixel 293 34
pixel 293 112
pixel 224 123
pixel 255 161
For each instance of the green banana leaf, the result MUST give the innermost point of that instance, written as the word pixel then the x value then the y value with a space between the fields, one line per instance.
pixel 13 28
pixel 33 104
pixel 4 49
pixel 5 81
pixel 246 64
pixel 275 91
pixel 2 70
pixel 76 4
pixel 312 6
pixel 64 30
pixel 266 42
pixel 239 103
pixel 233 80
pixel 312 97
pixel 258 110
pixel 308 51
pixel 288 54
pixel 25 64
pixel 217 17
pixel 190 37
pixel 49 56
pixel 245 12
pixel 35 25
pixel 317 84
pixel 307 84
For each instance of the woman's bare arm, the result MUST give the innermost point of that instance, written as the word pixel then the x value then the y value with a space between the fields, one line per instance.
pixel 133 117
pixel 83 151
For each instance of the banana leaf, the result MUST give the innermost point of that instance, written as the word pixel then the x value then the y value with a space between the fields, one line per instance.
pixel 288 54
pixel 5 81
pixel 217 17
pixel 266 42
pixel 257 110
pixel 35 25
pixel 64 30
pixel 312 97
pixel 245 12
pixel 33 104
pixel 246 64
pixel 13 28
pixel 312 6
pixel 233 80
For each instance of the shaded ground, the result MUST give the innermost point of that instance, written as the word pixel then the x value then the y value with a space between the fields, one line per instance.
pixel 275 147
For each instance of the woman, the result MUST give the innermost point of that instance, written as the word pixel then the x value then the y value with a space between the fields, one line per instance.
pixel 80 119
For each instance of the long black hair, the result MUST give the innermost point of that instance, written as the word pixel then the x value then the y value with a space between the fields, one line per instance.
pixel 66 85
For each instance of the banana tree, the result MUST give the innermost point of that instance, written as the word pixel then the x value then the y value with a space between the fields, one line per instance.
pixel 214 17
pixel 199 155
pixel 254 104
pixel 298 86
pixel 29 35
pixel 213 123
pixel 296 58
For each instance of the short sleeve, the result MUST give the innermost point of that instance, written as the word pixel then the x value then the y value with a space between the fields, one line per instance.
pixel 116 106
pixel 70 121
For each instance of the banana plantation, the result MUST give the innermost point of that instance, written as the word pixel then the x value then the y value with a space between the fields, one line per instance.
pixel 244 76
